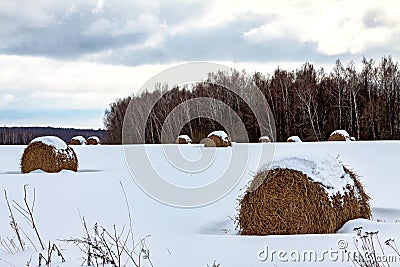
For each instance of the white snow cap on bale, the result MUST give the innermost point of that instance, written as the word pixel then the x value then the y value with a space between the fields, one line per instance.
pixel 295 139
pixel 343 133
pixel 320 168
pixel 221 134
pixel 53 141
pixel 79 138
pixel 95 138
pixel 265 137
pixel 186 137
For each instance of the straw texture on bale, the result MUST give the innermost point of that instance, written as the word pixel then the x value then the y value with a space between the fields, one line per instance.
pixel 93 140
pixel 264 139
pixel 77 140
pixel 339 135
pixel 183 140
pixel 40 156
pixel 216 141
pixel 288 202
pixel 336 137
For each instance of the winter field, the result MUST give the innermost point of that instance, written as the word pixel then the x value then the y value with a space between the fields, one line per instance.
pixel 179 236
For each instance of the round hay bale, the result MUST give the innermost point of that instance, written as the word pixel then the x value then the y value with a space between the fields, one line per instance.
pixel 217 139
pixel 339 135
pixel 183 139
pixel 93 140
pixel 78 140
pixel 264 139
pixel 49 154
pixel 294 139
pixel 285 201
pixel 208 142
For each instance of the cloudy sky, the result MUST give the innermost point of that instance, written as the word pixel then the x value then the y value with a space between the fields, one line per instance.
pixel 63 62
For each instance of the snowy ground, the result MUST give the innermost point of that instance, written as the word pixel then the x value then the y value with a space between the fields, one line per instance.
pixel 189 236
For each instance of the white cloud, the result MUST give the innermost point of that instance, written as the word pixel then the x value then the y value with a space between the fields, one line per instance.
pixel 336 27
pixel 264 32
pixel 6 99
pixel 99 7
pixel 41 83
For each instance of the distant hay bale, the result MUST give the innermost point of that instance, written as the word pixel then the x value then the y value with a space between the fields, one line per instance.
pixel 352 138
pixel 339 135
pixel 78 140
pixel 286 201
pixel 49 154
pixel 208 142
pixel 336 137
pixel 183 139
pixel 294 139
pixel 93 140
pixel 264 139
pixel 217 139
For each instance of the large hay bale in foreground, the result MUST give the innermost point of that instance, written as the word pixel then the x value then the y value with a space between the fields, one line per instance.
pixel 339 135
pixel 264 139
pixel 93 140
pixel 285 201
pixel 183 139
pixel 49 154
pixel 78 140
pixel 217 139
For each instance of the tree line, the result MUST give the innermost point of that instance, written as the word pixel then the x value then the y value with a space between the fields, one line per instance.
pixel 307 102
pixel 23 135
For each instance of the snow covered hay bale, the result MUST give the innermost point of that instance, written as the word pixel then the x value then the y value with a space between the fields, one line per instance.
pixel 183 139
pixel 264 139
pixel 339 135
pixel 93 140
pixel 78 140
pixel 49 154
pixel 302 195
pixel 294 139
pixel 217 139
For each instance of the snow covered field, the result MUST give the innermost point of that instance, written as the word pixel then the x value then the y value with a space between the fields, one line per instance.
pixel 190 236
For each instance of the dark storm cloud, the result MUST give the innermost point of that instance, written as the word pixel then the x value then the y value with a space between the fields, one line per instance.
pixel 65 37
pixel 61 31
pixel 135 33
pixel 119 30
pixel 224 42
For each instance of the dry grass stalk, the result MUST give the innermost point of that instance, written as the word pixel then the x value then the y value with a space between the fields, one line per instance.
pixel 27 212
pixel 116 248
pixel 14 224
